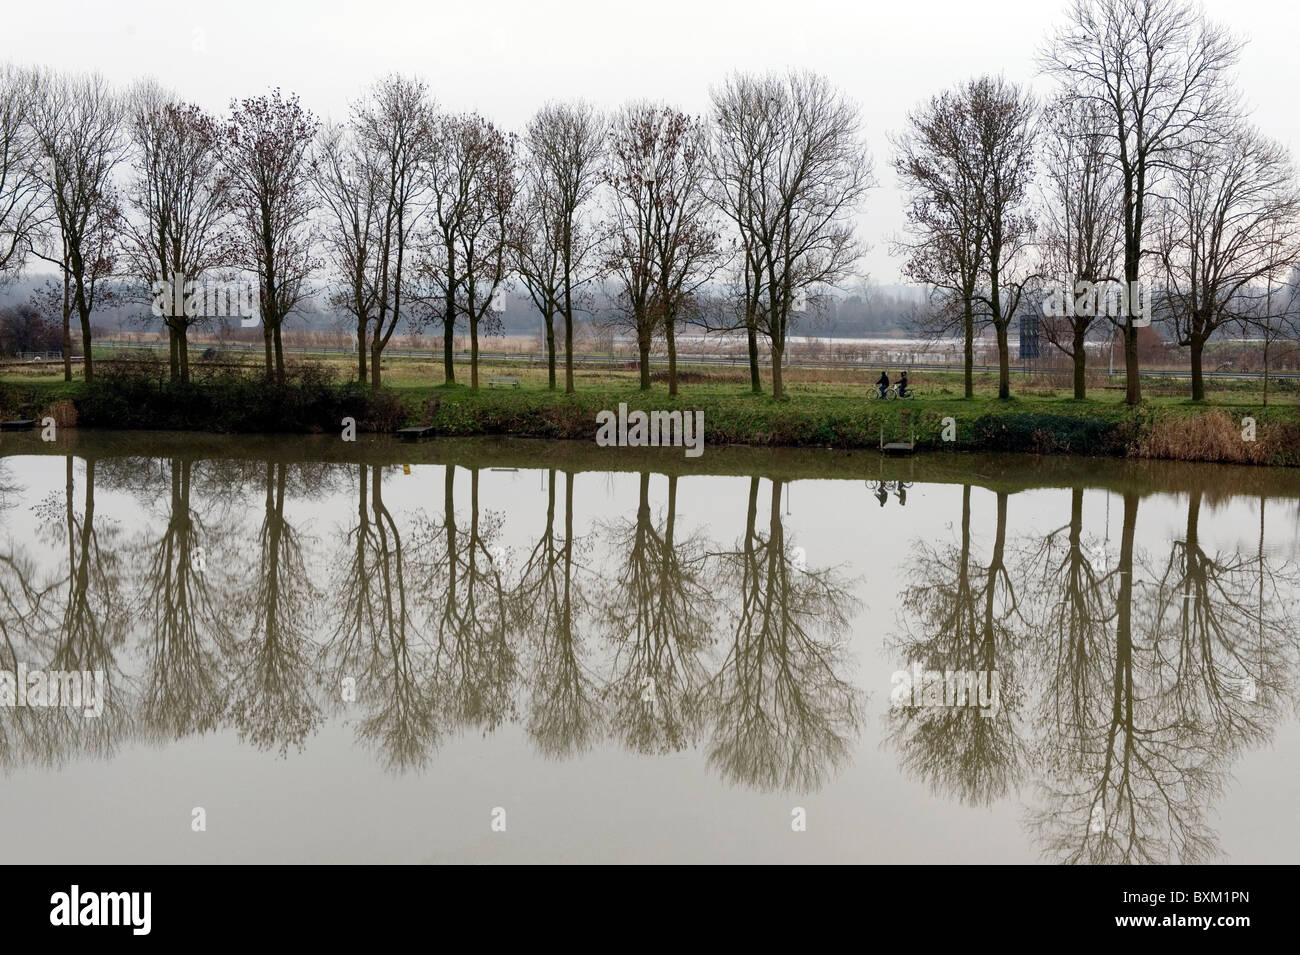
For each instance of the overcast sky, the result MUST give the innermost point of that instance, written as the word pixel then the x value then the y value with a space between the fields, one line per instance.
pixel 506 57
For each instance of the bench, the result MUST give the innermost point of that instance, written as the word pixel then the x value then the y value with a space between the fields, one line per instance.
pixel 503 380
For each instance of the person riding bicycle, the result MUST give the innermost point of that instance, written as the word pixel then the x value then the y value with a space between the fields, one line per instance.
pixel 882 383
pixel 902 386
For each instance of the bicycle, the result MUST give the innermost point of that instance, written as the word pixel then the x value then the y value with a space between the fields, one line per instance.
pixel 891 394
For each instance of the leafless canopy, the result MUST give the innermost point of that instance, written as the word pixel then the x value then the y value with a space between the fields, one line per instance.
pixel 179 196
pixel 790 174
pixel 1160 73
pixel 663 245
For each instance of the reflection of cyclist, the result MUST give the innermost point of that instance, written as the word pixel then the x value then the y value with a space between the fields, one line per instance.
pixel 882 383
pixel 901 490
pixel 882 493
pixel 902 386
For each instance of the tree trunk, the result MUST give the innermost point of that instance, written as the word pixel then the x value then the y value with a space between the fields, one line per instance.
pixel 376 374
pixel 279 356
pixel 751 331
pixel 473 353
pixel 969 351
pixel 671 339
pixel 449 520
pixel 643 347
pixel 448 332
pixel 449 316
pixel 568 351
pixel 1004 363
pixel 778 389
pixel 67 330
pixel 174 358
pixel 361 350
pixel 550 351
pixel 1133 383
pixel 183 354
pixel 266 340
pixel 1080 365
pixel 1198 370
pixel 1132 261
pixel 88 360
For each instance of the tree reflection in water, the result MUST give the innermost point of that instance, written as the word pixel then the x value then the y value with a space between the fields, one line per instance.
pixel 962 615
pixel 1144 681
pixel 1130 682
pixel 784 713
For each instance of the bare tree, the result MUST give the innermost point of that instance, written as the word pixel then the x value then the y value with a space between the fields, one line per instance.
pixel 351 193
pixel 484 239
pixel 78 127
pixel 22 204
pixel 1081 216
pixel 564 145
pixel 269 140
pixel 1228 228
pixel 394 126
pixel 473 186
pixel 794 140
pixel 1003 119
pixel 180 197
pixel 663 244
pixel 743 145
pixel 939 167
pixel 534 239
pixel 1159 70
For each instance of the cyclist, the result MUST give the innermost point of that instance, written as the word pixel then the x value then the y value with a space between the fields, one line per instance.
pixel 882 383
pixel 902 385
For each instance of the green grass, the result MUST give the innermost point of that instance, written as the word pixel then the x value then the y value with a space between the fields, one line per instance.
pixel 821 408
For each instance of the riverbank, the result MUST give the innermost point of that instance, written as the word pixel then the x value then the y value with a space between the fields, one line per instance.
pixel 810 417
pixel 1009 473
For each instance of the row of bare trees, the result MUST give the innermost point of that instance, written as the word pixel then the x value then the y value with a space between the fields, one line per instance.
pixel 105 186
pixel 1141 168
pixel 442 211
pixel 409 215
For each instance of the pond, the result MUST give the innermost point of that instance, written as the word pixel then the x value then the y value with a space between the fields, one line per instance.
pixel 503 650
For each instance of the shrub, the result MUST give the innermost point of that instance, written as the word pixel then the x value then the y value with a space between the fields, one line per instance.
pixel 1049 434
pixel 307 402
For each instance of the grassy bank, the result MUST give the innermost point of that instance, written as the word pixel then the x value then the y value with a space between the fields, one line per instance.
pixel 814 414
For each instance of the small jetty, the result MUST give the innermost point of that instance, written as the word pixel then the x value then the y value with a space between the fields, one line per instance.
pixel 895 449
pixel 415 434
pixel 21 424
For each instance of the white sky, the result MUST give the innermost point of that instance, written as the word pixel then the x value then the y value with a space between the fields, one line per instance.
pixel 506 57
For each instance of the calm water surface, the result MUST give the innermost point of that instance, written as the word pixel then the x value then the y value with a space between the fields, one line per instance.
pixel 362 652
